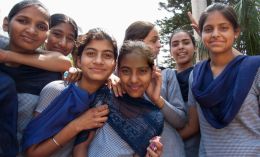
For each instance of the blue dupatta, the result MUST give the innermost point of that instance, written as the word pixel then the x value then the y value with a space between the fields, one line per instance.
pixel 221 98
pixel 135 120
pixel 70 104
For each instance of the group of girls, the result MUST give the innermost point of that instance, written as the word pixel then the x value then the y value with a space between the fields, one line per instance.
pixel 210 109
pixel 96 57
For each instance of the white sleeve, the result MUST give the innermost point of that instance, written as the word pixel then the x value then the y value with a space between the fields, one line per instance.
pixel 48 94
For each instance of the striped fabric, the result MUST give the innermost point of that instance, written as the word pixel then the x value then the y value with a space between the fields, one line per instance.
pixel 49 93
pixel 241 138
pixel 27 103
pixel 107 143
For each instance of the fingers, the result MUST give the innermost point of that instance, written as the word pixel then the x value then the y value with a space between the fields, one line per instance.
pixel 102 111
pixel 117 89
pixel 155 147
pixel 115 85
pixel 194 23
pixel 151 153
pixel 72 75
pixel 192 20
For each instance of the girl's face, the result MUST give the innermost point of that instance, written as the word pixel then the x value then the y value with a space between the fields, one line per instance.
pixel 153 41
pixel 61 38
pixel 27 29
pixel 135 74
pixel 97 61
pixel 182 48
pixel 218 34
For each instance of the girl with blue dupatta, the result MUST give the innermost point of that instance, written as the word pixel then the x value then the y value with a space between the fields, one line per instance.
pixel 67 111
pixel 182 49
pixel 226 89
pixel 132 119
pixel 66 115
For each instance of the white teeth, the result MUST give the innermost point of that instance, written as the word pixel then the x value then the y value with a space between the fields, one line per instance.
pixel 182 54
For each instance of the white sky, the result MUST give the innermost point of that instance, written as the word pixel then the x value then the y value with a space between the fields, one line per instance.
pixel 112 15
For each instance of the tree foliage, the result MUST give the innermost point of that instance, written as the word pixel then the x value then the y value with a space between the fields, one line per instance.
pixel 248 16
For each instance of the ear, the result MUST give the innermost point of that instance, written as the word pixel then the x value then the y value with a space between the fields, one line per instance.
pixel 237 32
pixel 5 24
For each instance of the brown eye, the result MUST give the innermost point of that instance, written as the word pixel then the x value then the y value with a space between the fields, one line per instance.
pixel 42 27
pixel 90 53
pixel 125 71
pixel 22 21
pixel 108 55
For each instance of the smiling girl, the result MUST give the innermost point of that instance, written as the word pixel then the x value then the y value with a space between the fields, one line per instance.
pixel 225 89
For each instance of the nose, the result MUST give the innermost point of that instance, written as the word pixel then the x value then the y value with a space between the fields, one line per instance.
pixel 215 33
pixel 63 42
pixel 158 44
pixel 98 59
pixel 133 78
pixel 31 30
pixel 180 45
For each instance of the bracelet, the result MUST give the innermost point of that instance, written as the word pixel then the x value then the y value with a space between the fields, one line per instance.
pixel 59 145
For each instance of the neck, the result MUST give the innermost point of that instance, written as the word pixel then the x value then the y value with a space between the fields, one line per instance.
pixel 16 49
pixel 182 67
pixel 88 85
pixel 219 61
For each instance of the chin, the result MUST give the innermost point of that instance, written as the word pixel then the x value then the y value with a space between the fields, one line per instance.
pixel 134 94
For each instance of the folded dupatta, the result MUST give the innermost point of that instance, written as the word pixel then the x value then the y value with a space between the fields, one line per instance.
pixel 71 103
pixel 135 120
pixel 221 98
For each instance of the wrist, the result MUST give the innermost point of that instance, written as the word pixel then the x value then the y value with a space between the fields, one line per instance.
pixel 160 102
pixel 75 127
pixel 6 57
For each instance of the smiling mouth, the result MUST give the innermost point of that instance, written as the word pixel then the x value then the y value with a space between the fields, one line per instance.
pixel 98 70
pixel 28 39
pixel 59 50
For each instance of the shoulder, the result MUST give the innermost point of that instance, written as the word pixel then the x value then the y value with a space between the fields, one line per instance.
pixel 168 73
pixel 199 64
pixel 58 85
pixel 253 59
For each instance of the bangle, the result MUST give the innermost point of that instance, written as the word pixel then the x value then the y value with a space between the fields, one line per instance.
pixel 59 145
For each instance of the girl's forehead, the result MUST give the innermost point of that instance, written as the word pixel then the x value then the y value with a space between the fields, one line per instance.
pixel 34 11
pixel 216 17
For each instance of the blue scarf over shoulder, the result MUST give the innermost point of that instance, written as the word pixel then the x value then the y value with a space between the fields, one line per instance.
pixel 221 98
pixel 70 104
pixel 135 120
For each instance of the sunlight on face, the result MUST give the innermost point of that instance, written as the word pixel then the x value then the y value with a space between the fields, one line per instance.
pixel 135 74
pixel 97 61
pixel 153 41
pixel 218 34
pixel 61 38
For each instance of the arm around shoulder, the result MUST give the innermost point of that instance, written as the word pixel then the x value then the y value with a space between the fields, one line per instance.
pixel 51 61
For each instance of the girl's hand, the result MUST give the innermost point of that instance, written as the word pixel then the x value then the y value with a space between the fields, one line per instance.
pixel 154 89
pixel 194 23
pixel 155 148
pixel 81 149
pixel 3 56
pixel 114 83
pixel 73 75
pixel 92 118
